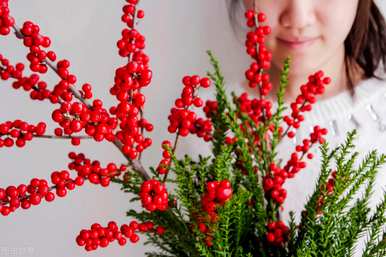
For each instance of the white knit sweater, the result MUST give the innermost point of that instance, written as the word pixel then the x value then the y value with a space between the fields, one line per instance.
pixel 366 113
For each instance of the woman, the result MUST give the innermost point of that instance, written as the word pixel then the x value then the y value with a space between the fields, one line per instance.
pixel 347 40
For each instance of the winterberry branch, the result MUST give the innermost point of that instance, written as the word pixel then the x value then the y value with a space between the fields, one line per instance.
pixel 19 35
pixel 225 205
pixel 136 164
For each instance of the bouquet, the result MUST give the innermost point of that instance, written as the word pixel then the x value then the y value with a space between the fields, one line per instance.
pixel 226 204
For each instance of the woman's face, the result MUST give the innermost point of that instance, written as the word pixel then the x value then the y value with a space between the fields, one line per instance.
pixel 311 32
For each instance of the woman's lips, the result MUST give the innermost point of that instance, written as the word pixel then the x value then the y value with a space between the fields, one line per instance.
pixel 297 44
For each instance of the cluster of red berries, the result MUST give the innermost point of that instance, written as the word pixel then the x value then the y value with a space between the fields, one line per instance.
pixel 39 58
pixel 128 113
pixel 164 164
pixel 181 120
pixel 317 136
pixel 86 91
pixel 154 195
pixel 86 170
pixel 129 80
pixel 98 236
pixel 35 42
pixel 93 171
pixel 217 193
pixel 6 21
pixel 303 103
pixel 38 89
pixel 18 132
pixel 277 232
pixel 76 116
pixel 191 84
pixel 256 77
pixel 255 108
pixel 257 50
pixel 258 109
pixel 203 129
pixel 24 196
pixel 131 125
pixel 131 40
pixel 63 182
pixel 132 77
pixel 273 182
pixel 62 90
pixel 185 120
pixel 96 122
pixel 295 164
pixel 305 147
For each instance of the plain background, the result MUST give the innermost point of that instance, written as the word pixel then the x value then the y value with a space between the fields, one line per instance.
pixel 178 33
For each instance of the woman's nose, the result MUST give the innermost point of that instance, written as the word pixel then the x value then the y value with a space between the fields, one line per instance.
pixel 297 14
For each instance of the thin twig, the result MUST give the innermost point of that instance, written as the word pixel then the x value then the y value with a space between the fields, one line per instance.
pixel 62 137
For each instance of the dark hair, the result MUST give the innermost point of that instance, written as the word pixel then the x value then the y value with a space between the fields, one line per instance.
pixel 365 43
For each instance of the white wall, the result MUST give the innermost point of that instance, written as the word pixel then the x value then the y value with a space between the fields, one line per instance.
pixel 178 33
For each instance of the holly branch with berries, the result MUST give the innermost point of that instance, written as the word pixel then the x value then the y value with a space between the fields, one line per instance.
pixel 225 204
